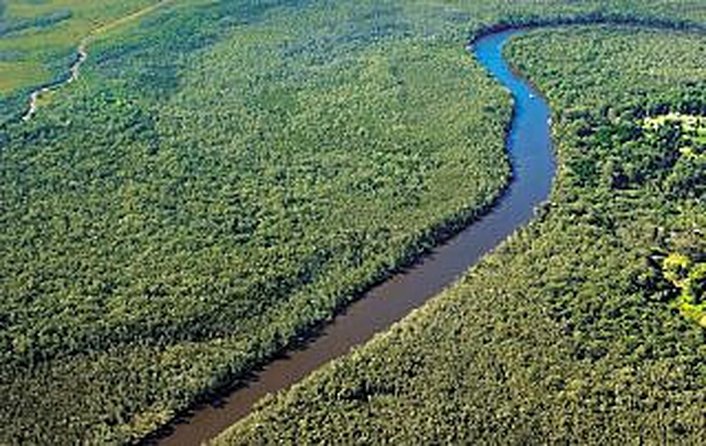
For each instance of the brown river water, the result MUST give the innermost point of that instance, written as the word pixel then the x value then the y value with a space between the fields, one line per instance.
pixel 530 148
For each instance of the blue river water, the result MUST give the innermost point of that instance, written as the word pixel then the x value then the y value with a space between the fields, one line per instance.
pixel 529 140
pixel 532 157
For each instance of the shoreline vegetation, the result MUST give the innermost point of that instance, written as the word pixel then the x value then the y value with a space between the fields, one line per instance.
pixel 572 316
pixel 50 358
pixel 533 170
pixel 594 18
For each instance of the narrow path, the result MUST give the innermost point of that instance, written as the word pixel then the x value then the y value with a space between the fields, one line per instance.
pixel 82 55
pixel 530 148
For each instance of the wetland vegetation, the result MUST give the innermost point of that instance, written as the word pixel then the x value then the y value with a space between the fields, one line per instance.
pixel 572 332
pixel 225 175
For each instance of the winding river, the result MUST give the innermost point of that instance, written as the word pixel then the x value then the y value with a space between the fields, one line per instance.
pixel 530 148
pixel 82 55
pixel 74 71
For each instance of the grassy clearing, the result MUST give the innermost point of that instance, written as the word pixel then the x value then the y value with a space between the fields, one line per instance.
pixel 39 42
pixel 16 75
pixel 693 127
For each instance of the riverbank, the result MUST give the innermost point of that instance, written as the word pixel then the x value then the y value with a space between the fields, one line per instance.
pixel 529 148
pixel 259 169
pixel 564 334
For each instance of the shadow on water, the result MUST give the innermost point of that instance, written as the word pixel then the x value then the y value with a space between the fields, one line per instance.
pixel 530 148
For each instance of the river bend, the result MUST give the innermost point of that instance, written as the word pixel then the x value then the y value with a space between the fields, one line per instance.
pixel 530 148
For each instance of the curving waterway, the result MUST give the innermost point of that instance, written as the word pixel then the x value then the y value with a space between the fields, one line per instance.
pixel 74 71
pixel 530 147
pixel 81 56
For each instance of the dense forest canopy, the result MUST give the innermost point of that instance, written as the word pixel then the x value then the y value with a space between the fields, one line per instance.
pixel 225 174
pixel 571 332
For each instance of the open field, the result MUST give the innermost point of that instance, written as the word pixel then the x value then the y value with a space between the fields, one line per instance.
pixel 225 175
pixel 692 126
pixel 38 31
pixel 38 39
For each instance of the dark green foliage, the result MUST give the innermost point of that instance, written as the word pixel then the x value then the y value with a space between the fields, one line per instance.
pixel 224 176
pixel 163 234
pixel 565 335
